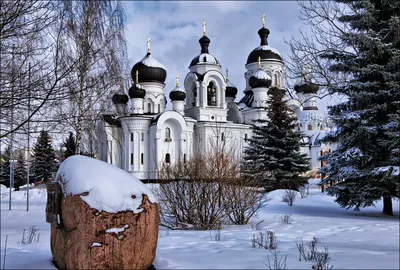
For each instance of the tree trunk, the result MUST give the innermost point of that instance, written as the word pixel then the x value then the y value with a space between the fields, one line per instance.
pixel 387 206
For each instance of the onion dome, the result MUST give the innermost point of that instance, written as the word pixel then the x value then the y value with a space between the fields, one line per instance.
pixel 204 57
pixel 177 93
pixel 136 91
pixel 264 51
pixel 306 86
pixel 311 116
pixel 150 69
pixel 260 78
pixel 231 89
pixel 120 98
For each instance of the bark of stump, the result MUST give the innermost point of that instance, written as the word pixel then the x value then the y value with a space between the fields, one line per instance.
pixel 134 248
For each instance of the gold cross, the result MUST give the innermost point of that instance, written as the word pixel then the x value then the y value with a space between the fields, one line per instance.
pixel 259 62
pixel 148 44
pixel 204 28
pixel 137 76
pixel 177 79
pixel 263 19
pixel 227 71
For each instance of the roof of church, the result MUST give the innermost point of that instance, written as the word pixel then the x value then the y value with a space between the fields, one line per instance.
pixel 263 51
pixel 150 70
pixel 311 115
pixel 231 90
pixel 204 57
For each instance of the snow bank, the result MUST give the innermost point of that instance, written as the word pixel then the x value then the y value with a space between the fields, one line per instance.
pixel 110 188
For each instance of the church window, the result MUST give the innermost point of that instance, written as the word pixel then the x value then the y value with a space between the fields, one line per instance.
pixel 141 158
pixel 159 108
pixel 167 158
pixel 276 79
pixel 131 158
pixel 194 96
pixel 142 137
pixel 211 94
pixel 184 158
pixel 131 137
pixel 309 127
pixel 245 136
pixel 149 108
pixel 222 137
pixel 167 134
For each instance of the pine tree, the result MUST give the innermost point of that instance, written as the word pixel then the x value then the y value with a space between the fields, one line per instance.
pixel 20 172
pixel 368 122
pixel 272 155
pixel 70 145
pixel 5 167
pixel 43 163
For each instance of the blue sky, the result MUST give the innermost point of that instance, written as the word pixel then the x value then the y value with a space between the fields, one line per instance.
pixel 176 26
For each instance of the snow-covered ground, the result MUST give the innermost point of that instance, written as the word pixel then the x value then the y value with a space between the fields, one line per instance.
pixel 356 240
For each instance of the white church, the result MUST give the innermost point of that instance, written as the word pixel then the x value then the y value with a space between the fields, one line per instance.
pixel 142 135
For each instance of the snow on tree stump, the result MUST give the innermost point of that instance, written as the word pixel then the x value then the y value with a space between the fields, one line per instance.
pixel 107 218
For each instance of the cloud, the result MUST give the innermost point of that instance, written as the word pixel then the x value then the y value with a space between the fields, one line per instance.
pixel 232 26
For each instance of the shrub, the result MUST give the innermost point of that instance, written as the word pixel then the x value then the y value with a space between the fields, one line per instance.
pixel 289 196
pixel 265 240
pixel 304 191
pixel 286 219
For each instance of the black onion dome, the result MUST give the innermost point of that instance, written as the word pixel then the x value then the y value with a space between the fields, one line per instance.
pixel 306 88
pixel 204 57
pixel 231 89
pixel 260 79
pixel 150 70
pixel 136 91
pixel 177 95
pixel 120 98
pixel 264 51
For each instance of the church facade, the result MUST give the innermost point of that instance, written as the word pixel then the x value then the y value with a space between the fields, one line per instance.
pixel 141 134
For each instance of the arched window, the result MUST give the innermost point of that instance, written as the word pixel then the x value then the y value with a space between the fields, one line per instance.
pixel 309 127
pixel 184 158
pixel 159 108
pixel 276 79
pixel 211 94
pixel 149 108
pixel 245 136
pixel 167 134
pixel 167 158
pixel 222 136
pixel 141 158
pixel 131 137
pixel 131 158
pixel 194 91
pixel 142 138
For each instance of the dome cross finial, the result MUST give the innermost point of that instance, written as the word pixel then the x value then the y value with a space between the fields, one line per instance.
pixel 309 72
pixel 204 28
pixel 263 20
pixel 137 76
pixel 259 62
pixel 227 74
pixel 148 44
pixel 177 80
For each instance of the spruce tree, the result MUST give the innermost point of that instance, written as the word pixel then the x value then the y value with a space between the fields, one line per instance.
pixel 20 172
pixel 5 167
pixel 272 155
pixel 70 145
pixel 367 123
pixel 43 163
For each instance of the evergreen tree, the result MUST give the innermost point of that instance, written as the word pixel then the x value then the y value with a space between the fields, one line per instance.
pixel 5 167
pixel 70 145
pixel 272 155
pixel 43 163
pixel 20 172
pixel 368 122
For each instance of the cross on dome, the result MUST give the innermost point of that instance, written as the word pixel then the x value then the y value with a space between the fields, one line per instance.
pixel 204 28
pixel 227 73
pixel 263 20
pixel 259 62
pixel 148 44
pixel 137 77
pixel 177 79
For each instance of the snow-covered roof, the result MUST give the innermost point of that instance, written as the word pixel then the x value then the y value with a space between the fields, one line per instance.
pixel 109 188
pixel 266 48
pixel 149 61
pixel 311 115
pixel 206 58
pixel 261 74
